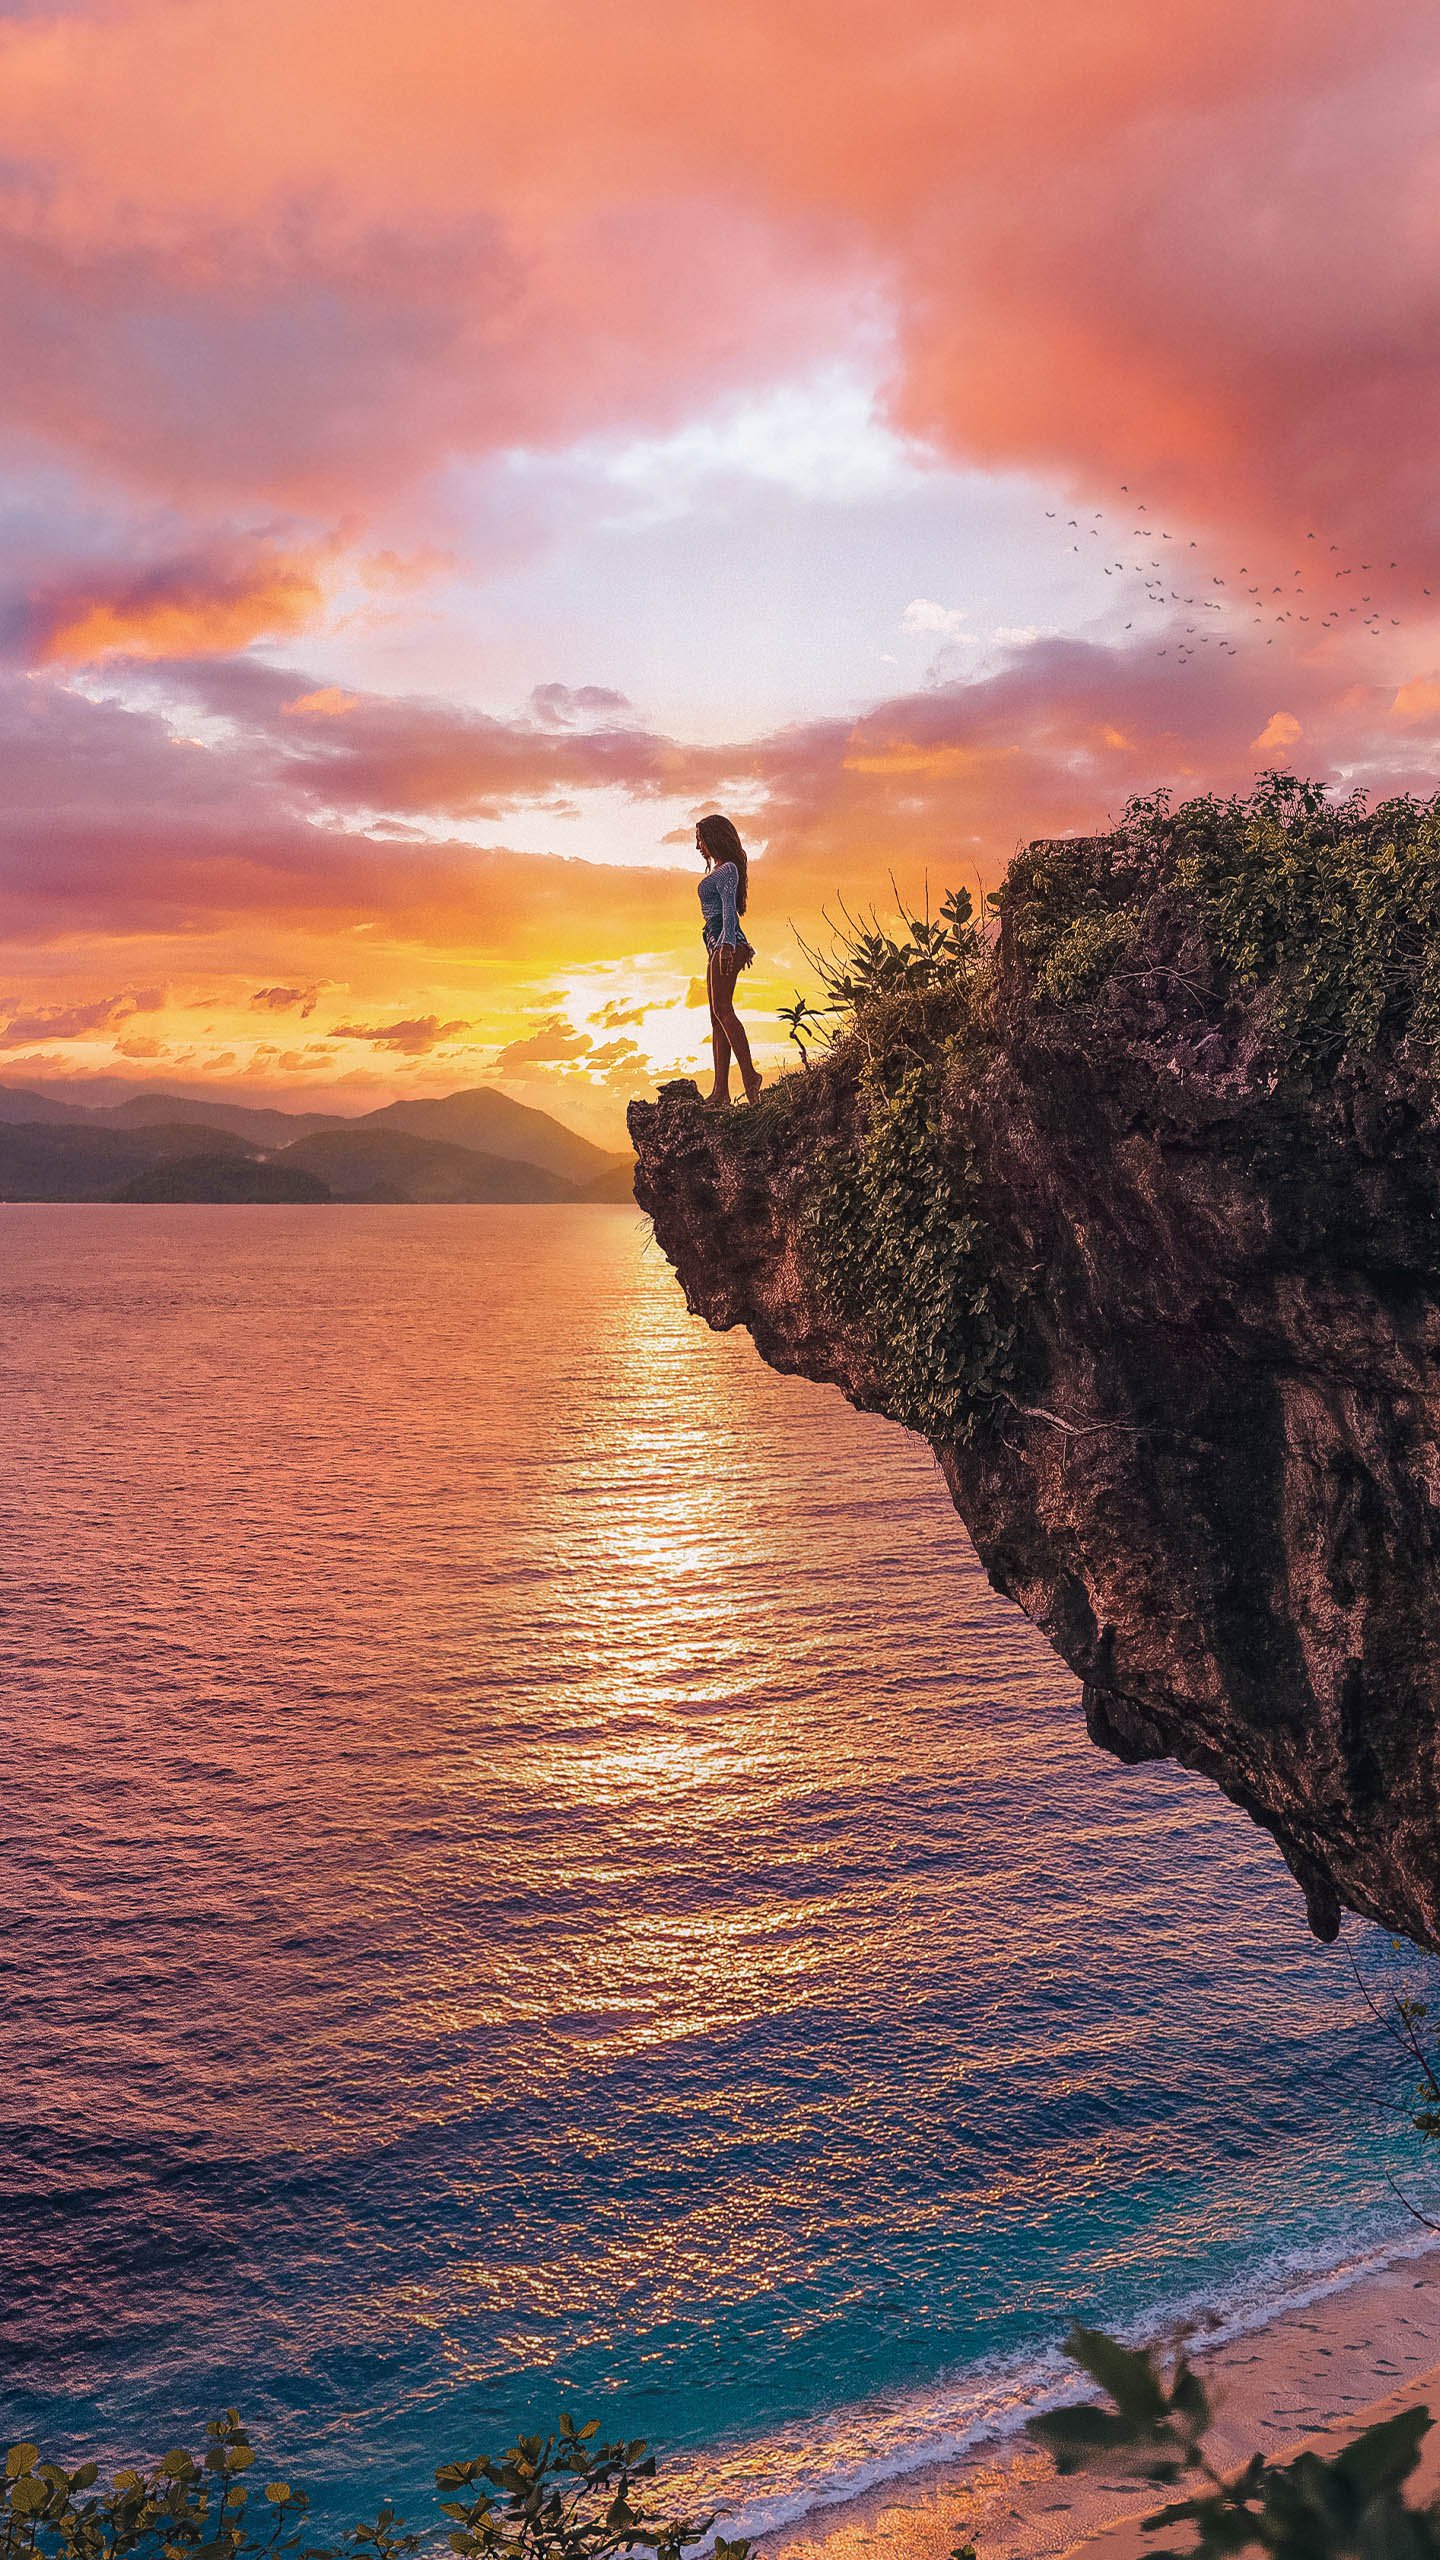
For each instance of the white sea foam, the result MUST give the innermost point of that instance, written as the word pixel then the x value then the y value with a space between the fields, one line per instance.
pixel 769 2483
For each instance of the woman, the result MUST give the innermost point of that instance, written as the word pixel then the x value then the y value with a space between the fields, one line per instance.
pixel 723 893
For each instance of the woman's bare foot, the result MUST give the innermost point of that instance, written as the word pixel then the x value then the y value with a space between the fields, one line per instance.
pixel 718 1101
pixel 753 1087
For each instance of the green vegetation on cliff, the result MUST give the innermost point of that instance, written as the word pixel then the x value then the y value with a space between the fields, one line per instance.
pixel 892 1221
pixel 1285 938
pixel 894 1226
pixel 1322 914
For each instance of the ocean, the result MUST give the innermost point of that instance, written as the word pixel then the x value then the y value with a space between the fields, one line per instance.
pixel 539 1874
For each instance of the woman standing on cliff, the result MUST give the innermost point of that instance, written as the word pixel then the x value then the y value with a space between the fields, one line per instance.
pixel 723 894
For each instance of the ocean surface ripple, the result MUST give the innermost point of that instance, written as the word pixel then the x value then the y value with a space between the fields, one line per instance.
pixel 539 1873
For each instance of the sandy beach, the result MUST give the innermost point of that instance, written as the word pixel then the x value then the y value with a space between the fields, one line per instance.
pixel 1318 2373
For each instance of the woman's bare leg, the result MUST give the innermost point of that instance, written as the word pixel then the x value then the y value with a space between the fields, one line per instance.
pixel 720 1052
pixel 724 968
pixel 719 1044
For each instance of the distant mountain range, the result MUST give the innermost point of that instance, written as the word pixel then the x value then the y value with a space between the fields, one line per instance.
pixel 475 1145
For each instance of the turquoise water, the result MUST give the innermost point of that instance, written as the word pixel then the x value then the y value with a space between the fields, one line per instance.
pixel 539 1872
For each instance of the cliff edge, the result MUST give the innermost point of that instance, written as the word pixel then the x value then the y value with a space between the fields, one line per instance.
pixel 1134 1212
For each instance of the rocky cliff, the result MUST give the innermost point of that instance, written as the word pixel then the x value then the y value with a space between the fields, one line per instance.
pixel 1136 1214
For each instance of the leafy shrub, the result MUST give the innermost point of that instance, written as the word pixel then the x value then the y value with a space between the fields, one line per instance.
pixel 867 960
pixel 805 1022
pixel 563 2497
pixel 1327 908
pixel 1078 964
pixel 1345 2506
pixel 1060 905
pixel 1335 908
pixel 556 2497
pixel 179 2507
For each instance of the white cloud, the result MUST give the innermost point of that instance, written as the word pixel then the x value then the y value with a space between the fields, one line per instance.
pixel 819 438
pixel 923 614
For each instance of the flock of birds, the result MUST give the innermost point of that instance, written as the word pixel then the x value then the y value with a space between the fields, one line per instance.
pixel 1169 578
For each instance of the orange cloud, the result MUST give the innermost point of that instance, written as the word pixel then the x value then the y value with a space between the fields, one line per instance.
pixel 1281 730
pixel 619 1017
pixel 1419 699
pixel 301 1000
pixel 327 702
pixel 182 610
pixel 554 1041
pixel 903 756
pixel 411 1039
pixel 82 1021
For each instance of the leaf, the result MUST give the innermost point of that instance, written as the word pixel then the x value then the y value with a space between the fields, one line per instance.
pixel 20 2459
pixel 278 2492
pixel 1383 2456
pixel 1075 2437
pixel 1188 2397
pixel 1127 2373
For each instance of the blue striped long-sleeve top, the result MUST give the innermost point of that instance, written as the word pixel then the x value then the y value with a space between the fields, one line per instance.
pixel 717 907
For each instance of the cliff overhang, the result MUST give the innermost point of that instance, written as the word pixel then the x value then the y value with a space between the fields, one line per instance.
pixel 1144 1236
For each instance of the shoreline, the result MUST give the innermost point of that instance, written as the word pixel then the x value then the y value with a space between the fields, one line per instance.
pixel 1322 2365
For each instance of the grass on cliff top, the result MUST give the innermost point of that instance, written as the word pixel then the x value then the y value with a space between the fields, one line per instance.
pixel 1318 914
pixel 1321 913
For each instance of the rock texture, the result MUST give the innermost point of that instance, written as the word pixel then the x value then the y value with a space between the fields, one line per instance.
pixel 1217 1487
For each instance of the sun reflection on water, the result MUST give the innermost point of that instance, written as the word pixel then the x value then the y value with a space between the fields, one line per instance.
pixel 541 1867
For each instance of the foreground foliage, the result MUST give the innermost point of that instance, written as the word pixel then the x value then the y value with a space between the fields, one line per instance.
pixel 1345 2506
pixel 557 2497
pixel 567 2496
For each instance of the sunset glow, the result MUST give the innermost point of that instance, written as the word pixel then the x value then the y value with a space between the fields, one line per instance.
pixel 449 447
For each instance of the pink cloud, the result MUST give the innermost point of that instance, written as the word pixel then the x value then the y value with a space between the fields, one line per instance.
pixel 1281 732
pixel 323 702
pixel 263 835
pixel 1192 249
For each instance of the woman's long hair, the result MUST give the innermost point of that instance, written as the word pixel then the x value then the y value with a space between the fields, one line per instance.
pixel 723 844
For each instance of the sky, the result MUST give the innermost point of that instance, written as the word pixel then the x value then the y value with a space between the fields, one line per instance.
pixel 447 448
